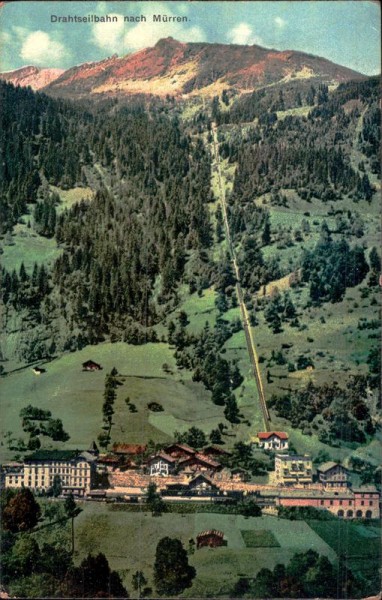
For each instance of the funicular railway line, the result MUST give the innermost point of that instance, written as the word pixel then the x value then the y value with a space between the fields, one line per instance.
pixel 239 291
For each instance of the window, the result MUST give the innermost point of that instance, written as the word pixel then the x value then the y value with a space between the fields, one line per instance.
pixel 362 502
pixel 331 503
pixel 370 503
pixel 322 502
pixel 340 502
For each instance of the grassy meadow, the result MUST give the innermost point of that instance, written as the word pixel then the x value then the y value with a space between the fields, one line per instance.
pixel 129 541
pixel 76 396
pixel 102 528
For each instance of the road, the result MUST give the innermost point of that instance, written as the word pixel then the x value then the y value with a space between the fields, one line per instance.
pixel 239 291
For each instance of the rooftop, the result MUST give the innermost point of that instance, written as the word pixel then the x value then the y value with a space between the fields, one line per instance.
pixel 215 449
pixel 366 489
pixel 265 435
pixel 129 448
pixel 315 494
pixel 327 466
pixel 219 534
pixel 294 457
pixel 202 476
pixel 183 447
pixel 53 455
pixel 164 456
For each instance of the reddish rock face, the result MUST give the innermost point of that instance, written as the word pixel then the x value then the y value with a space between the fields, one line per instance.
pixel 175 68
pixel 32 76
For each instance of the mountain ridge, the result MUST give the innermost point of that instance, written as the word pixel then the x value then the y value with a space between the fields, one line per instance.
pixel 184 69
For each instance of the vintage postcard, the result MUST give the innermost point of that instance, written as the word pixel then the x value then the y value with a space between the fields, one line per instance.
pixel 190 273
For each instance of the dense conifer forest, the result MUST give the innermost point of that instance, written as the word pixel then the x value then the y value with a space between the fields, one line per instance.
pixel 149 230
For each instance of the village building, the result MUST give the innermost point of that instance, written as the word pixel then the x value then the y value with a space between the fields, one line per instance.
pixel 361 503
pixel 12 475
pixel 75 470
pixel 107 462
pixel 333 475
pixel 90 365
pixel 200 462
pixel 202 484
pixel 199 485
pixel 130 450
pixel 293 469
pixel 161 464
pixel 179 451
pixel 273 440
pixel 215 452
pixel 211 538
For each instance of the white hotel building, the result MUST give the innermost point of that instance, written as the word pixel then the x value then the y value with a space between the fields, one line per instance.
pixel 75 469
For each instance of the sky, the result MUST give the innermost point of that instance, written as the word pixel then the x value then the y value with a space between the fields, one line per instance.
pixel 347 32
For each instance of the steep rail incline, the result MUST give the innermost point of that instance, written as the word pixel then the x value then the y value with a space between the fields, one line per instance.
pixel 239 291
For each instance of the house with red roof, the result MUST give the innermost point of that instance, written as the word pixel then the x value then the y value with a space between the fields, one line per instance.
pixel 273 440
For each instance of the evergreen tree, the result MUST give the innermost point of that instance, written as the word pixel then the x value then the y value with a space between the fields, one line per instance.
pixel 172 573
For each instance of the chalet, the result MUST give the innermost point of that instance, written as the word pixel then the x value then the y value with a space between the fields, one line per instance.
pixel 211 538
pixel 333 475
pixel 273 440
pixel 161 464
pixel 215 452
pixel 199 485
pixel 129 449
pixel 179 451
pixel 90 365
pixel 361 503
pixel 38 370
pixel 200 462
pixel 202 484
pixel 293 469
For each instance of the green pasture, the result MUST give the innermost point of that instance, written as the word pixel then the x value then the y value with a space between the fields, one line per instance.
pixel 200 310
pixel 76 397
pixel 24 245
pixel 185 404
pixel 129 540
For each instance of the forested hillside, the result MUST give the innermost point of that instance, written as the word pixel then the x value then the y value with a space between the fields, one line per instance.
pixel 300 165
pixel 124 252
